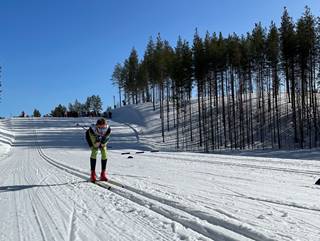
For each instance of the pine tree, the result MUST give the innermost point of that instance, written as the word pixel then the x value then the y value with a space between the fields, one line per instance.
pixel 199 75
pixel 258 48
pixel 273 52
pixel 288 61
pixel 36 113
pixel 132 71
pixel 118 79
pixel 59 111
pixel 306 42
pixel 149 61
pixel 221 51
pixel 234 58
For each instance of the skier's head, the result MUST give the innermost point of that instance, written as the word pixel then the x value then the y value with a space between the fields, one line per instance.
pixel 101 123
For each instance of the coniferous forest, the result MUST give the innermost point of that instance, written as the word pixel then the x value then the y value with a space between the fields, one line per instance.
pixel 259 90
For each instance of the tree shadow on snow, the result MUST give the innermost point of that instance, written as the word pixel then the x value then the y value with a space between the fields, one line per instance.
pixel 14 188
pixel 305 154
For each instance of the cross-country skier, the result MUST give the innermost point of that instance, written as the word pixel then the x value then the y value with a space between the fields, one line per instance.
pixel 97 137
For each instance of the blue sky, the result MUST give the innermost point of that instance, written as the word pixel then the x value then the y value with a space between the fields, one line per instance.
pixel 55 51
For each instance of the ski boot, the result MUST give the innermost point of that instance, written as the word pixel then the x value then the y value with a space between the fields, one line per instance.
pixel 103 176
pixel 93 176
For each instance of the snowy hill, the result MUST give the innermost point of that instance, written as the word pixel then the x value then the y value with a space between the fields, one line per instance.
pixel 146 123
pixel 45 195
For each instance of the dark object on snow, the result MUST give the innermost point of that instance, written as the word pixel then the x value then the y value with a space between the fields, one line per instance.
pixel 130 157
pixel 318 182
pixel 125 153
pixel 154 151
pixel 139 152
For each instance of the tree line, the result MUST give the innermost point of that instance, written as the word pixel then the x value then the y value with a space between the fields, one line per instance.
pixel 91 107
pixel 256 90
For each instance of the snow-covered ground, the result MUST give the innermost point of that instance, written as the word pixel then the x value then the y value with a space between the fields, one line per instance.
pixel 45 195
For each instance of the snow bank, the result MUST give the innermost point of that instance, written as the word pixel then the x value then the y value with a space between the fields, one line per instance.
pixel 146 123
pixel 6 137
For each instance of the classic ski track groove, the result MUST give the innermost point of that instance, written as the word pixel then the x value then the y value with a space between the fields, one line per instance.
pixel 83 222
pixel 133 197
pixel 288 205
pixel 17 215
pixel 290 170
pixel 102 185
pixel 71 225
pixel 92 231
pixel 34 210
pixel 43 206
pixel 276 206
pixel 209 219
pixel 240 195
pixel 74 173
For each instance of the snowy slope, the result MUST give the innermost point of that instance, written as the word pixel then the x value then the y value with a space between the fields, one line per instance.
pixel 147 125
pixel 44 193
pixel 6 138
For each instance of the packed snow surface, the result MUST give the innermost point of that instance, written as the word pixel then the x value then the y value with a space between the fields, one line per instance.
pixel 45 193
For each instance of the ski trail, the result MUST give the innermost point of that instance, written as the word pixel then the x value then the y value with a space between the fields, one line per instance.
pixel 36 215
pixel 216 162
pixel 236 225
pixel 164 207
pixel 279 206
pixel 41 204
pixel 162 197
pixel 17 218
pixel 50 161
pixel 50 204
pixel 72 226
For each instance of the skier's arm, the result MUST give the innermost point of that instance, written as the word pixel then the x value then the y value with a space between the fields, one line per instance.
pixel 93 138
pixel 106 138
pixel 88 138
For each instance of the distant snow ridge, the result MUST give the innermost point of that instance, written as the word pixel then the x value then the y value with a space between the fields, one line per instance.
pixel 6 137
pixel 6 133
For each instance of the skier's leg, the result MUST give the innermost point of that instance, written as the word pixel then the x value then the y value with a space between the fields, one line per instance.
pixel 103 164
pixel 103 176
pixel 93 164
pixel 93 161
pixel 94 152
pixel 103 153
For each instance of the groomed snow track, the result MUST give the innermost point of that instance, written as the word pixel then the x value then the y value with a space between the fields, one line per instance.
pixel 45 193
pixel 207 226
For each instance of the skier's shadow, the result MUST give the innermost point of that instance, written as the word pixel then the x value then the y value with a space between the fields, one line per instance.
pixel 14 188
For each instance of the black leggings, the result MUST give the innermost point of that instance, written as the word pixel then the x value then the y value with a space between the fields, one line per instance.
pixel 93 164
